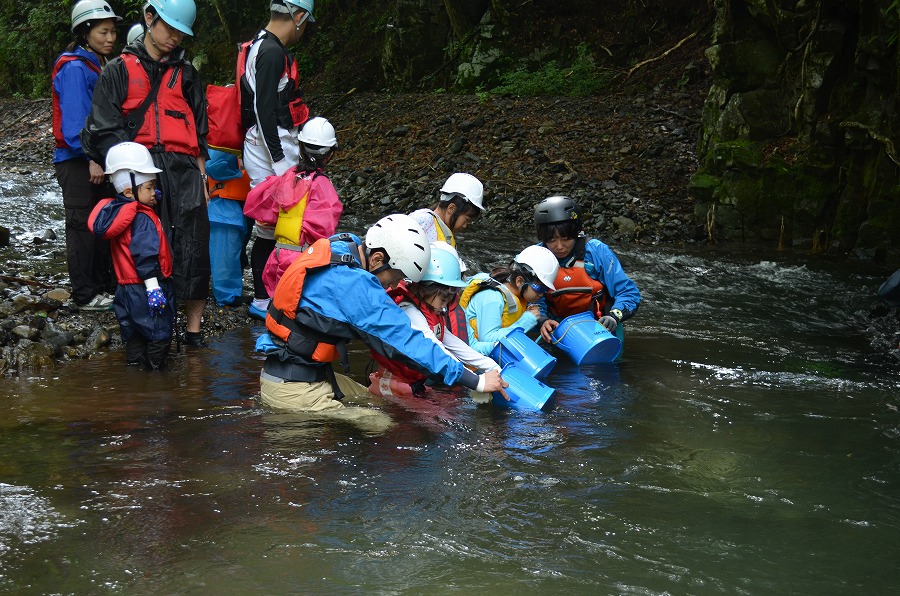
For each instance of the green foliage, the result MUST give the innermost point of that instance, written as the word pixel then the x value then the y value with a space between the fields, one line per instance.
pixel 893 9
pixel 581 79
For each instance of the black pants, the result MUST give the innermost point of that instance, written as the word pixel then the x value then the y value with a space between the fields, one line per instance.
pixel 90 267
pixel 149 354
pixel 259 254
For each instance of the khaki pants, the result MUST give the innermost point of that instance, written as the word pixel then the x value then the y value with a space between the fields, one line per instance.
pixel 319 399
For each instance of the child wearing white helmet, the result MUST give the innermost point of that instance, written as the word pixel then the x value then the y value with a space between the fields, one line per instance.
pixel 506 299
pixel 141 255
pixel 460 203
pixel 425 303
pixel 301 206
pixel 81 178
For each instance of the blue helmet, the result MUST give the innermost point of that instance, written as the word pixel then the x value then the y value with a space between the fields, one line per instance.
pixel 179 14
pixel 444 266
pixel 306 5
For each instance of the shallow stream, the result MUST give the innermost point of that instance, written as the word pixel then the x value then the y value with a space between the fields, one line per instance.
pixel 746 443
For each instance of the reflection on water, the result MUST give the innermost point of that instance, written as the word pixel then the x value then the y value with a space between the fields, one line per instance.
pixel 744 444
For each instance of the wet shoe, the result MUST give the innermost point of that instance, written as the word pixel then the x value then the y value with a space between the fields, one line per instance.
pixel 195 340
pixel 258 308
pixel 99 302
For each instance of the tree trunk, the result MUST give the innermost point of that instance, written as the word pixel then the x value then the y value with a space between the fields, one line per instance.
pixel 465 15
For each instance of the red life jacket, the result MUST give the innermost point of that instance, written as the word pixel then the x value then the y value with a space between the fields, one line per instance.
pixel 456 320
pixel 119 236
pixel 576 291
pixel 436 323
pixel 291 111
pixel 282 314
pixel 57 112
pixel 169 121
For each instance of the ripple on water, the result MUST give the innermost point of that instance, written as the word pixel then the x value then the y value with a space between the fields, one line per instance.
pixel 26 518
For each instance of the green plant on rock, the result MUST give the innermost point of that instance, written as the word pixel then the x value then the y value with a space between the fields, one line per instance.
pixel 581 79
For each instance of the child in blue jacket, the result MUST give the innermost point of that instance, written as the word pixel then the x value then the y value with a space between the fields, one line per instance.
pixel 590 277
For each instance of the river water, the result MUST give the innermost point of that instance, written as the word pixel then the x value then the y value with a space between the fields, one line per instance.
pixel 747 442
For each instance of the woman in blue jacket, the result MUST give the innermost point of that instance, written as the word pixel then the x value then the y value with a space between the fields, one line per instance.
pixel 82 180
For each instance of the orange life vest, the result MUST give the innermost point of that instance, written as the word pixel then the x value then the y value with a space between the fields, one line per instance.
pixel 235 189
pixel 576 291
pixel 281 317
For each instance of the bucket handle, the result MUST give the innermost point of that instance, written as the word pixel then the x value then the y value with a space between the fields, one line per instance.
pixel 569 328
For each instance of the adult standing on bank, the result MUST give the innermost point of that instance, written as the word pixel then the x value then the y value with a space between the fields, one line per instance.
pixel 151 94
pixel 82 179
pixel 272 111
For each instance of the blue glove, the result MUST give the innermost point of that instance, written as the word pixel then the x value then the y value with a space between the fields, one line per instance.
pixel 156 301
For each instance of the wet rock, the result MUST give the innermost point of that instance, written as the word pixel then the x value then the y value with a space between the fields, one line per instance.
pixel 22 302
pixel 98 338
pixel 58 294
pixel 48 235
pixel 624 225
pixel 4 237
pixel 25 332
pixel 31 355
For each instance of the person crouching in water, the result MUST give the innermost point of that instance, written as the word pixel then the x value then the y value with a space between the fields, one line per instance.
pixel 141 255
pixel 301 205
pixel 590 277
pixel 425 303
pixel 335 292
pixel 505 300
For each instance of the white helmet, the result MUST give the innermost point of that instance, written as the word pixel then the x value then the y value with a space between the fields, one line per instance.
pixel 465 185
pixel 540 263
pixel 129 164
pixel 319 132
pixel 405 243
pixel 136 31
pixel 92 10
pixel 444 267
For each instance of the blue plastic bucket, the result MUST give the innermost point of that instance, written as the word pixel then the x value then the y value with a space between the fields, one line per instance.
pixel 518 348
pixel 585 340
pixel 524 391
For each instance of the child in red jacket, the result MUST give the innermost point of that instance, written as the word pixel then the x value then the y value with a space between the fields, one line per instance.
pixel 141 255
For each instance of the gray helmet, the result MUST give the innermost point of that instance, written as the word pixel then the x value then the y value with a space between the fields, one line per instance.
pixel 87 11
pixel 556 209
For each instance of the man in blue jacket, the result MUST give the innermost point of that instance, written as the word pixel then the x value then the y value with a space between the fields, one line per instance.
pixel 335 292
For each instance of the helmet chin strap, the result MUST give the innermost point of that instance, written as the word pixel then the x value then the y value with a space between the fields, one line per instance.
pixel 302 19
pixel 134 189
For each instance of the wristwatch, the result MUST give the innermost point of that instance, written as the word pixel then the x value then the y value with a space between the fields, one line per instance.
pixel 617 315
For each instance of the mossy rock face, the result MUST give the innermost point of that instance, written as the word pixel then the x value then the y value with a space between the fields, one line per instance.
pixel 736 155
pixel 749 63
pixel 703 186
